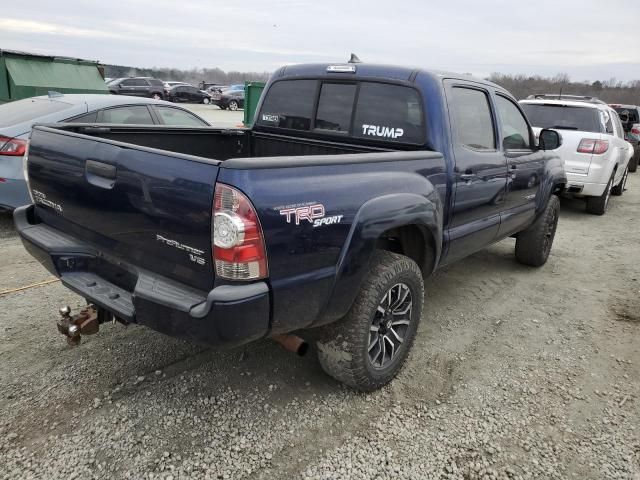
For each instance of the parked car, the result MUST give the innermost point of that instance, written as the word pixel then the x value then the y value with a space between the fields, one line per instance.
pixel 17 118
pixel 169 85
pixel 187 94
pixel 630 117
pixel 138 87
pixel 231 99
pixel 595 152
pixel 328 212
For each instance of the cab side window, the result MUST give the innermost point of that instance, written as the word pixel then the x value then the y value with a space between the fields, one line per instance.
pixel 473 119
pixel 515 129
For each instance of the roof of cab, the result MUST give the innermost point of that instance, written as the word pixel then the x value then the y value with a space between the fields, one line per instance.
pixel 371 70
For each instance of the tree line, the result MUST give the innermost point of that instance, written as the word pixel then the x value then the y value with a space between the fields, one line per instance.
pixel 521 86
pixel 610 91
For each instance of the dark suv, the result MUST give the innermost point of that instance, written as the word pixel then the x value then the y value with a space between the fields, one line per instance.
pixel 138 87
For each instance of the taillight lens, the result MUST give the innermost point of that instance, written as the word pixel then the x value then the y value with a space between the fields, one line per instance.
pixel 238 243
pixel 635 131
pixel 12 146
pixel 590 145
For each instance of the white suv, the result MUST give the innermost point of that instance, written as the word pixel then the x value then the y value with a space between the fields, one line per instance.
pixel 594 150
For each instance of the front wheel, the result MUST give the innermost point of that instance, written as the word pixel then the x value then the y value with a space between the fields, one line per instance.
pixel 534 244
pixel 233 105
pixel 367 348
pixel 206 101
pixel 619 189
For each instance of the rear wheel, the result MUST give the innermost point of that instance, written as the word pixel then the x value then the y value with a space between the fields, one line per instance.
pixel 599 205
pixel 156 96
pixel 367 348
pixel 633 163
pixel 233 105
pixel 206 101
pixel 619 189
pixel 534 244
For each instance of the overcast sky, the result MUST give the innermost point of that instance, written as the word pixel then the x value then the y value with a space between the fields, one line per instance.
pixel 588 39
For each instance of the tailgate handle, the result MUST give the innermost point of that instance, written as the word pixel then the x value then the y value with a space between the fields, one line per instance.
pixel 100 174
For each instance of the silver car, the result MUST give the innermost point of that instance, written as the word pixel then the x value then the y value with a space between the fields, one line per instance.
pixel 17 118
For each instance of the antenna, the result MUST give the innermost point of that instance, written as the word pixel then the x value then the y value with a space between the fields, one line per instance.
pixel 354 59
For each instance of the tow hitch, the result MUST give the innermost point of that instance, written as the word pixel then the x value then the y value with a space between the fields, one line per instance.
pixel 85 322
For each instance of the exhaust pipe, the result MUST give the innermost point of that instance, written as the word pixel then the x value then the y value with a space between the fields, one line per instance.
pixel 293 343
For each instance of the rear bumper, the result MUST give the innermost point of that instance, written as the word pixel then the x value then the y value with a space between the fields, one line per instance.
pixel 227 316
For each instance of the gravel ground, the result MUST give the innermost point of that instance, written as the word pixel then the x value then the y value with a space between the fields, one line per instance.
pixel 516 373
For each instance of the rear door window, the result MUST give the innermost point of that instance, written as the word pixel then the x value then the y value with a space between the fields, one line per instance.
pixel 388 112
pixel 473 119
pixel 131 114
pixel 335 107
pixel 175 116
pixel 88 118
pixel 289 104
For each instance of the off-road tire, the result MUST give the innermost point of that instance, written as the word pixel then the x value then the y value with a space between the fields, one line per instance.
pixel 599 205
pixel 343 347
pixel 618 190
pixel 533 245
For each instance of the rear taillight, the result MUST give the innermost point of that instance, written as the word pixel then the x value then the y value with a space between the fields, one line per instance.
pixel 12 146
pixel 590 145
pixel 635 131
pixel 238 243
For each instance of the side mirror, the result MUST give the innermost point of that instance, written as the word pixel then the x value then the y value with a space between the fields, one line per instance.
pixel 549 139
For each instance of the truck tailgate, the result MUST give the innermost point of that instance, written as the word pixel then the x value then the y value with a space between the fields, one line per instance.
pixel 144 206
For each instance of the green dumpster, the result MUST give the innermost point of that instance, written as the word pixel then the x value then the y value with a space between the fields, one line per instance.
pixel 24 75
pixel 252 92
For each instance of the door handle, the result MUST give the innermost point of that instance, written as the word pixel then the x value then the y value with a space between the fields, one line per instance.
pixel 468 177
pixel 100 174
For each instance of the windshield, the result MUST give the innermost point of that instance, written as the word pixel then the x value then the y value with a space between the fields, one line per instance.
pixel 560 117
pixel 29 109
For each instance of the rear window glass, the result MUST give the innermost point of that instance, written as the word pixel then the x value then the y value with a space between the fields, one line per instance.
pixel 382 111
pixel 388 112
pixel 289 105
pixel 28 109
pixel 563 117
pixel 335 107
pixel 629 116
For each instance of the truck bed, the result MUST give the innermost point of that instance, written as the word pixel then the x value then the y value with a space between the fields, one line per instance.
pixel 144 195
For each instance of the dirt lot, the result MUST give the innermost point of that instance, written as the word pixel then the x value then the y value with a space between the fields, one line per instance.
pixel 516 373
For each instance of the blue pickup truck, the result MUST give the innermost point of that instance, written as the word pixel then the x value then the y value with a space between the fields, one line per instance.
pixel 355 182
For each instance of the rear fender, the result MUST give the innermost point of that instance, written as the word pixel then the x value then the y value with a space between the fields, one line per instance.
pixel 373 219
